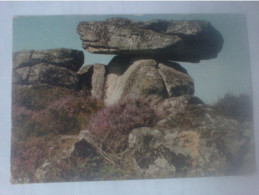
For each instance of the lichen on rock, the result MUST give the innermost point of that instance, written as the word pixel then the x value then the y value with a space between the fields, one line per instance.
pixel 135 118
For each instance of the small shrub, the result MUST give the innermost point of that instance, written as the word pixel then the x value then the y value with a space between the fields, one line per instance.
pixel 26 156
pixel 37 97
pixel 21 113
pixel 237 107
pixel 67 115
pixel 113 124
pixel 39 113
pixel 58 117
pixel 63 114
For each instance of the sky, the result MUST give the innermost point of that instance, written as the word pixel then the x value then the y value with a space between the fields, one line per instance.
pixel 213 78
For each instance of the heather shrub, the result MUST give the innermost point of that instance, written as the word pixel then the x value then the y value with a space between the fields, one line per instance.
pixel 237 107
pixel 42 110
pixel 31 129
pixel 26 156
pixel 68 114
pixel 37 97
pixel 113 124
pixel 20 114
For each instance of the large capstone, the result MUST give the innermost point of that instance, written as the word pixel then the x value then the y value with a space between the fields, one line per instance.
pixel 189 41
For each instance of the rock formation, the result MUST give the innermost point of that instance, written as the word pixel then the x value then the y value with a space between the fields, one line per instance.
pixel 137 77
pixel 93 76
pixel 189 41
pixel 189 139
pixel 67 58
pixel 194 142
pixel 55 67
pixel 142 67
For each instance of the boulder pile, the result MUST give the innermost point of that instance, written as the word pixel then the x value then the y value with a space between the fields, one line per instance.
pixel 56 67
pixel 190 139
pixel 142 66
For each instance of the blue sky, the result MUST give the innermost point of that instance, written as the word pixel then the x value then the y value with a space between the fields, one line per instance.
pixel 228 73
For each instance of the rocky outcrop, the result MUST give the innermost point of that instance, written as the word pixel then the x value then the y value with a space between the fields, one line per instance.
pixel 67 58
pixel 22 58
pixel 177 83
pixel 46 74
pixel 93 77
pixel 202 142
pixel 189 41
pixel 182 137
pixel 65 150
pixel 135 78
pixel 140 79
pixel 54 67
pixel 191 143
pixel 172 106
pixel 143 67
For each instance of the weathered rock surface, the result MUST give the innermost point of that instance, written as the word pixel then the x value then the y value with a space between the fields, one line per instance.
pixel 189 41
pixel 174 105
pixel 93 77
pixel 54 67
pixel 64 150
pixel 135 78
pixel 46 74
pixel 196 142
pixel 22 58
pixel 68 58
pixel 176 82
pixel 186 138
pixel 140 79
pixel 192 143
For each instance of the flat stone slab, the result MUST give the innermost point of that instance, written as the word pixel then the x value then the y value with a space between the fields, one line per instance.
pixel 189 41
pixel 67 58
pixel 46 74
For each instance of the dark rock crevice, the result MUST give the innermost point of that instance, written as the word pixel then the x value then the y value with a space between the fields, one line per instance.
pixel 85 79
